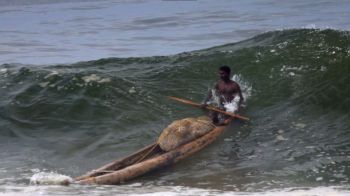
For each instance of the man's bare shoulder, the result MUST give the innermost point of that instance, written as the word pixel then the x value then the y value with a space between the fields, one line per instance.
pixel 233 83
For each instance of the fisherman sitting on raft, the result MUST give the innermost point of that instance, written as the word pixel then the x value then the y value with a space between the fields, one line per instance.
pixel 226 94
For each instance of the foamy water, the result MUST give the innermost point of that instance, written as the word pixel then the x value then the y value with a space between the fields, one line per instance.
pixel 145 190
pixel 50 178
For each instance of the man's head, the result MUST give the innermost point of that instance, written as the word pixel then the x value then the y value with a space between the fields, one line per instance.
pixel 224 72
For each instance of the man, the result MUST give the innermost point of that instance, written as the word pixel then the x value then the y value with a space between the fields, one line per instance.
pixel 227 92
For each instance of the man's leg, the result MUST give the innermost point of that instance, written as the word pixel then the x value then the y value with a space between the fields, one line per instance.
pixel 214 117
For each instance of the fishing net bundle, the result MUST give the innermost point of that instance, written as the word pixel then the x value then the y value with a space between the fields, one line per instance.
pixel 183 131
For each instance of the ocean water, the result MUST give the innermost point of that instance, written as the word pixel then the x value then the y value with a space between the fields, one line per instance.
pixel 68 31
pixel 83 83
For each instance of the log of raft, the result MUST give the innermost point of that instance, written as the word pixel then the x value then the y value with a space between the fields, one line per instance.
pixel 118 164
pixel 146 160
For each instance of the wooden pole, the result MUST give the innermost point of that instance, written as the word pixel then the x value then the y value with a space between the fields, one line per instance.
pixel 188 102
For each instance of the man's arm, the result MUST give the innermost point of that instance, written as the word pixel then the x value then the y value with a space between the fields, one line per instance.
pixel 209 96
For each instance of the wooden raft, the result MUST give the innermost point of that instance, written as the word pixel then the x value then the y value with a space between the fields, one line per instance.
pixel 145 160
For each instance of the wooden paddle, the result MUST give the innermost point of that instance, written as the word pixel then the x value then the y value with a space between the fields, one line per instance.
pixel 208 107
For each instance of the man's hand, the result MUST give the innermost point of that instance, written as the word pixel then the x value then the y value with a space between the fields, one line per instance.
pixel 203 105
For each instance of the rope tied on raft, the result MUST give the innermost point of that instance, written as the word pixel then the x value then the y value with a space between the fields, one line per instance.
pixel 149 152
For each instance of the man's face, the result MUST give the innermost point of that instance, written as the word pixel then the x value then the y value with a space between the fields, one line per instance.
pixel 223 75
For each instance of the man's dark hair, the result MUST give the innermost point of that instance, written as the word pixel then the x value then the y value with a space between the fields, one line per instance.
pixel 226 69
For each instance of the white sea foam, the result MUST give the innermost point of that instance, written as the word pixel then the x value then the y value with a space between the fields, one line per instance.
pixel 246 87
pixel 95 78
pixel 132 90
pixel 50 178
pixel 104 80
pixel 91 78
pixel 53 73
pixel 142 189
pixel 43 84
pixel 280 138
pixel 298 125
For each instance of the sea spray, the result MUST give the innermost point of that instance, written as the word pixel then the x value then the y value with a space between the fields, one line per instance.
pixel 50 178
